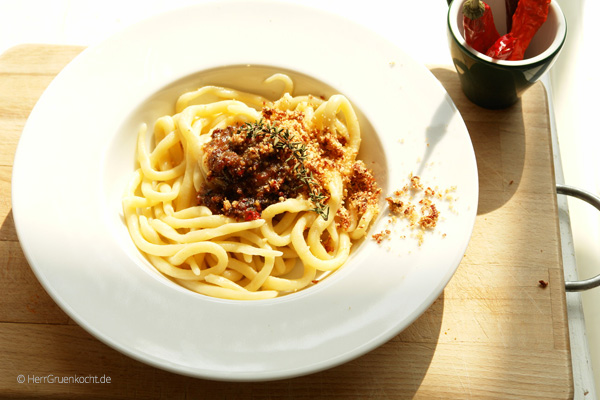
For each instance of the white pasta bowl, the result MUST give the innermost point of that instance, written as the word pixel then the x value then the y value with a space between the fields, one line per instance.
pixel 77 149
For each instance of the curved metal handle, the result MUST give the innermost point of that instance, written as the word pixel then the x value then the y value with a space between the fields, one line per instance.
pixel 594 200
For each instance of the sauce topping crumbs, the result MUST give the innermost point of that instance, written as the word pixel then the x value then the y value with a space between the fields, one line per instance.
pixel 255 165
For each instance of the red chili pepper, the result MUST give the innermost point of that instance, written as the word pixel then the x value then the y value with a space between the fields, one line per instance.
pixel 511 6
pixel 528 18
pixel 478 23
pixel 504 47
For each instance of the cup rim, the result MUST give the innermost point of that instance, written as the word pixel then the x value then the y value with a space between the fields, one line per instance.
pixel 456 6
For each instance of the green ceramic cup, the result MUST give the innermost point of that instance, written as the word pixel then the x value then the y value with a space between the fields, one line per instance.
pixel 497 84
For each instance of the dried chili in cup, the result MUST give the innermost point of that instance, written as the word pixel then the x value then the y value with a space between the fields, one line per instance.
pixel 504 47
pixel 511 6
pixel 478 23
pixel 528 18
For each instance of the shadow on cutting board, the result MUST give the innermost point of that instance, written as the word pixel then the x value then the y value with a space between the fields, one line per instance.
pixel 499 142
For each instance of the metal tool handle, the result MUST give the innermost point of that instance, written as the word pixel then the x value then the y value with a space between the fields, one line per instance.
pixel 590 198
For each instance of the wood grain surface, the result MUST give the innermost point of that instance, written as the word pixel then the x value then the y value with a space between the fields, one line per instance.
pixel 494 333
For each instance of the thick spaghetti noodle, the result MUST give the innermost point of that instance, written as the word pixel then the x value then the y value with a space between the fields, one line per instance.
pixel 238 193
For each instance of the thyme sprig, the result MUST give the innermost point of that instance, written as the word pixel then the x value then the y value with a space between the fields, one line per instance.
pixel 281 140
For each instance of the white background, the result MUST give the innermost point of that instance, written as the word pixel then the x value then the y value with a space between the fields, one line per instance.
pixel 419 28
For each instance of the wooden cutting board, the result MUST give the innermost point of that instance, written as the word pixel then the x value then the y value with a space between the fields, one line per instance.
pixel 495 332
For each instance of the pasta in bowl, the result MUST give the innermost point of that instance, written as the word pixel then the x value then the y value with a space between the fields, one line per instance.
pixel 243 197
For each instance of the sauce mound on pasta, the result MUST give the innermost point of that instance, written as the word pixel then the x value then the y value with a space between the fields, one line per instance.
pixel 250 168
pixel 241 197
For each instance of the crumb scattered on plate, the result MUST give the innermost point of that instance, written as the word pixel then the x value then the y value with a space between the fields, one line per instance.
pixel 416 204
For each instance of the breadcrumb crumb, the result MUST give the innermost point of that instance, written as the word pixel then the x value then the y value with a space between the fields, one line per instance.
pixel 379 237
pixel 414 203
